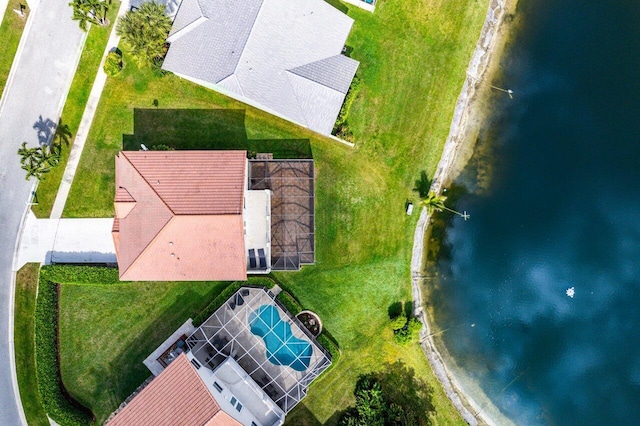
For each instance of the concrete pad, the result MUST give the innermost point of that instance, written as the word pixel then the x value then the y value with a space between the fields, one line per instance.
pixel 84 241
pixel 151 361
pixel 66 241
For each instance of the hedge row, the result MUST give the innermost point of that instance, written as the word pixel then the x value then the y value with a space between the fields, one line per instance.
pixel 289 302
pixel 80 274
pixel 57 403
pixel 226 294
pixel 330 345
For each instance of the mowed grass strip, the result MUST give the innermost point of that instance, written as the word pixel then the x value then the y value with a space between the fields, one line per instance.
pixel 24 344
pixel 74 108
pixel 413 57
pixel 10 33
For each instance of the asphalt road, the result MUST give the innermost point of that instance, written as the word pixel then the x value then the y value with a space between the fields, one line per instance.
pixel 36 94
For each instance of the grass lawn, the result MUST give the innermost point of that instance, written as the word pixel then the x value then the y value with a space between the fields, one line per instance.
pixel 106 331
pixel 413 57
pixel 24 341
pixel 10 33
pixel 74 108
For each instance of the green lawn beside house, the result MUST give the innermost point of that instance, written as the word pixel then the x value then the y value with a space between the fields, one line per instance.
pixel 106 331
pixel 74 108
pixel 413 59
pixel 10 33
pixel 24 344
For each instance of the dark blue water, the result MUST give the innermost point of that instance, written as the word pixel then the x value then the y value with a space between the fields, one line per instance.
pixel 562 210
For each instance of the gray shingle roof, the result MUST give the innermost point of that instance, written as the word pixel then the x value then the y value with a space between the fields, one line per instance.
pixel 335 72
pixel 280 55
pixel 210 50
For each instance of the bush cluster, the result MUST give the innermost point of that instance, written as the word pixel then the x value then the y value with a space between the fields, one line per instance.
pixel 330 345
pixel 409 333
pixel 289 302
pixel 341 128
pixel 57 403
pixel 113 63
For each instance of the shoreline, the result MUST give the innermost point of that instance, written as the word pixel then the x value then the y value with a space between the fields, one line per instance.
pixel 483 64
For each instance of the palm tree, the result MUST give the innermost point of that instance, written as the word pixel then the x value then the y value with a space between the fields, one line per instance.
pixel 144 32
pixel 434 202
pixel 38 161
pixel 90 12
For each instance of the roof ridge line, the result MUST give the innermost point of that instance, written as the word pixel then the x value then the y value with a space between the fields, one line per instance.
pixel 187 28
pixel 307 78
pixel 246 41
pixel 149 185
pixel 295 95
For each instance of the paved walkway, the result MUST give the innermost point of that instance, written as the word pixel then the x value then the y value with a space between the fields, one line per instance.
pixel 66 241
pixel 85 124
pixel 35 93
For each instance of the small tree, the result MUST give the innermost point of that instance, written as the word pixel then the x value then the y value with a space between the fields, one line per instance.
pixel 398 322
pixel 144 32
pixel 113 64
pixel 90 12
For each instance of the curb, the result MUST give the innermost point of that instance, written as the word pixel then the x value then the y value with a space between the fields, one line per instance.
pixel 12 295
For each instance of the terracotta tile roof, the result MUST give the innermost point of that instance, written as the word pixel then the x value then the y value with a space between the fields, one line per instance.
pixel 179 215
pixel 222 419
pixel 193 248
pixel 194 182
pixel 178 396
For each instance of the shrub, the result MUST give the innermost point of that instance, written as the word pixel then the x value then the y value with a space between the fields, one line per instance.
pixel 80 274
pixel 330 345
pixel 289 302
pixel 162 147
pixel 55 400
pixel 348 101
pixel 409 333
pixel 144 32
pixel 113 64
pixel 398 322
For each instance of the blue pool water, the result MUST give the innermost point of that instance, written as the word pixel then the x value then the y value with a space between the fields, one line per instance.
pixel 283 348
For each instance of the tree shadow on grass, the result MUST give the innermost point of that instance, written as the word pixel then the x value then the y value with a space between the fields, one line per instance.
pixel 398 308
pixel 423 185
pixel 188 129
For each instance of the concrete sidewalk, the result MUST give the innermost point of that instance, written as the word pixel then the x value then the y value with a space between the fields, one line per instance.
pixel 48 241
pixel 85 123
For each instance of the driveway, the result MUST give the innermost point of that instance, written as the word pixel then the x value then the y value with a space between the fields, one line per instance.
pixel 49 55
pixel 66 241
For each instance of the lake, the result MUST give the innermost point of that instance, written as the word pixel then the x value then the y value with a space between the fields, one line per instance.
pixel 554 196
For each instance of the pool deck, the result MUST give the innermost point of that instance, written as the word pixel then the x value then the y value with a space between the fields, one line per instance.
pixel 227 334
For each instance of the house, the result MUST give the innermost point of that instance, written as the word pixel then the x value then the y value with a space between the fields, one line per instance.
pixel 211 215
pixel 189 216
pixel 249 363
pixel 282 56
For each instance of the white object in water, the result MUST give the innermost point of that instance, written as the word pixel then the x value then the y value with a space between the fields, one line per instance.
pixel 571 292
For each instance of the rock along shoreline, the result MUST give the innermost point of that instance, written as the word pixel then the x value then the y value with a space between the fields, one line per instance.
pixel 482 64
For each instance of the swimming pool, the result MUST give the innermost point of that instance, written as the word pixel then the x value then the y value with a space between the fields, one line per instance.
pixel 283 348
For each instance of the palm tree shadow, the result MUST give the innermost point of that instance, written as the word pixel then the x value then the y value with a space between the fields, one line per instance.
pixel 423 185
pixel 45 129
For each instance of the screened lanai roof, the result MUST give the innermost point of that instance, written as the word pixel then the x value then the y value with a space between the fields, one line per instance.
pixel 284 367
pixel 292 209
